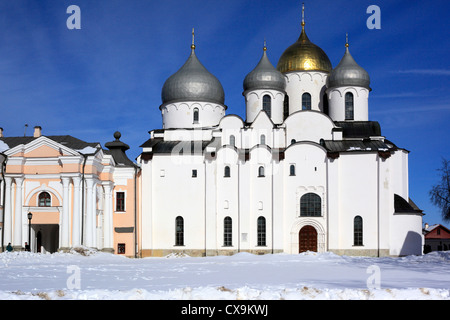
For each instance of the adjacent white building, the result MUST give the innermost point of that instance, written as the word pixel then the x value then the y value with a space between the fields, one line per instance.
pixel 306 170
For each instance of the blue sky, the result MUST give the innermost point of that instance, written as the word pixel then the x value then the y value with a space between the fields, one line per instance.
pixel 108 76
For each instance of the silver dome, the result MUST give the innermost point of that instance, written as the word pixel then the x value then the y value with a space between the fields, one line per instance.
pixel 348 73
pixel 265 76
pixel 193 82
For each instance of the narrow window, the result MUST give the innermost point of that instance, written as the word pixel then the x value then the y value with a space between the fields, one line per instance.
pixel 261 171
pixel 326 109
pixel 226 172
pixel 232 141
pixel 267 105
pixel 196 115
pixel 292 170
pixel 194 173
pixel 310 205
pixel 44 199
pixel 286 107
pixel 121 248
pixel 261 231
pixel 357 231
pixel 120 201
pixel 306 101
pixel 179 231
pixel 262 139
pixel 349 106
pixel 227 232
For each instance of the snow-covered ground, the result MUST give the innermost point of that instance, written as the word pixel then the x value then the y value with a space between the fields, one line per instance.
pixel 102 276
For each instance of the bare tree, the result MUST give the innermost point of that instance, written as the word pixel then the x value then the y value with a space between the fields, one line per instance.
pixel 440 193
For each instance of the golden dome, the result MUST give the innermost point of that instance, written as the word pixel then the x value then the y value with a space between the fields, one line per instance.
pixel 304 55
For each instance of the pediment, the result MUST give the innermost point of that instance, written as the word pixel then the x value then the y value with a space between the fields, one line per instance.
pixel 262 121
pixel 41 147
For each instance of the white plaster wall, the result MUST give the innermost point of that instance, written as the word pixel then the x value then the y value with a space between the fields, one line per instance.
pixel 174 194
pixel 308 126
pixel 358 190
pixel 181 114
pixel 406 235
pixel 313 82
pixel 310 176
pixel 254 104
pixel 227 195
pixel 336 103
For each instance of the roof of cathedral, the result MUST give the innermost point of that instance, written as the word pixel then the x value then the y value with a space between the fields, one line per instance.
pixel 359 129
pixel 159 145
pixel 404 207
pixel 193 82
pixel 355 145
pixel 348 73
pixel 304 55
pixel 265 76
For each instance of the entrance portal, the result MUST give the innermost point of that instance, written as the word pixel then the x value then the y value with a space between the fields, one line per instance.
pixel 46 238
pixel 307 239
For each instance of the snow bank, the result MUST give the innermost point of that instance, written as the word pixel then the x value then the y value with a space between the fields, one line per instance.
pixel 85 274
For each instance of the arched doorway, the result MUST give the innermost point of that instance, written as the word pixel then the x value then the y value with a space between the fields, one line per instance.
pixel 307 239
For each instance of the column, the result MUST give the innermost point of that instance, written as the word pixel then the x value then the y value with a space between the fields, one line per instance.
pixel 76 230
pixel 7 224
pixel 108 241
pixel 17 242
pixel 65 221
pixel 89 214
pixel 94 214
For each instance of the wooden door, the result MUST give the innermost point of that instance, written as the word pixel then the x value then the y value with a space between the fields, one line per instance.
pixel 307 239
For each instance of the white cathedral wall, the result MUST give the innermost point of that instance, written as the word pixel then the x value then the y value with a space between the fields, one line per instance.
pixel 406 235
pixel 227 193
pixel 358 190
pixel 259 198
pixel 312 82
pixel 254 104
pixel 309 160
pixel 399 173
pixel 181 114
pixel 308 126
pixel 176 193
pixel 198 134
pixel 336 103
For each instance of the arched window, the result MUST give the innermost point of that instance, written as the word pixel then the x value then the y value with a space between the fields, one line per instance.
pixel 232 140
pixel 261 231
pixel 357 231
pixel 310 205
pixel 261 171
pixel 44 199
pixel 179 231
pixel 262 139
pixel 267 105
pixel 196 115
pixel 306 101
pixel 349 106
pixel 227 232
pixel 292 170
pixel 293 141
pixel 226 172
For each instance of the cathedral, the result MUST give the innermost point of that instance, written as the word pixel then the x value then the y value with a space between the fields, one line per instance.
pixel 306 170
